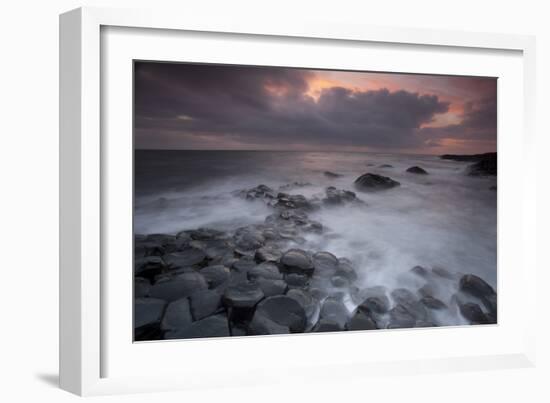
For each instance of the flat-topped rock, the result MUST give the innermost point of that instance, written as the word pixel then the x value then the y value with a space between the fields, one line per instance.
pixel 177 315
pixel 204 303
pixel 184 258
pixel 213 326
pixel 372 182
pixel 325 263
pixel 147 316
pixel 265 270
pixel 242 295
pixel 361 321
pixel 284 311
pixel 334 310
pixel 297 261
pixel 215 275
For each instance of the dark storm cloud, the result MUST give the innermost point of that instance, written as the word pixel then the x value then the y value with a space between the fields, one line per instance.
pixel 212 106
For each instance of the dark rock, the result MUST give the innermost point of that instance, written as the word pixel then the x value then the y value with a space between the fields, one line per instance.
pixel 329 174
pixel 385 166
pixel 325 263
pixel 467 158
pixel 487 166
pixel 475 286
pixel 185 258
pixel 272 287
pixel 306 300
pixel 268 253
pixel 335 197
pixel 205 303
pixel 248 240
pixel 215 275
pixel 213 326
pixel 326 325
pixel 244 264
pixel 473 313
pixel 361 321
pixel 334 310
pixel 372 182
pixel 297 261
pixel 142 287
pixel 265 270
pixel 433 303
pixel 284 311
pixel 420 271
pixel 203 234
pixel 148 248
pixel 243 295
pixel 345 269
pixel 296 280
pixel 149 266
pixel 443 273
pixel 375 301
pixel 400 317
pixel 147 316
pixel 339 281
pixel 417 170
pixel 182 285
pixel 262 325
pixel 177 315
pixel 407 299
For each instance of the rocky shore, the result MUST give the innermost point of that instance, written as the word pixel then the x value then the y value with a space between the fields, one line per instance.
pixel 260 279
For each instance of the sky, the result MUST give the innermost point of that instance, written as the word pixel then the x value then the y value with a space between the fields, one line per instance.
pixel 230 107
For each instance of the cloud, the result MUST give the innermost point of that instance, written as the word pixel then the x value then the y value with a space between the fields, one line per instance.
pixel 217 106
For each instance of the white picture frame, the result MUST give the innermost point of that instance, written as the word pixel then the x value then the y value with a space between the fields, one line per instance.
pixel 86 311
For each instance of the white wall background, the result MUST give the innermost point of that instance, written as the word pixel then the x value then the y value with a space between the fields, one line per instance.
pixel 29 209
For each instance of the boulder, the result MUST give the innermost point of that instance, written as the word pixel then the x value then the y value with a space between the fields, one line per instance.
pixel 271 287
pixel 306 300
pixel 147 316
pixel 375 301
pixel 296 280
pixel 215 275
pixel 400 317
pixel 204 303
pixel 417 170
pixel 486 166
pixel 433 303
pixel 331 175
pixel 244 264
pixel 407 299
pixel 177 315
pixel 262 325
pixel 149 266
pixel 420 271
pixel 284 311
pixel 242 295
pixel 335 197
pixel 324 263
pixel 213 326
pixel 265 270
pixel 182 285
pixel 334 310
pixel 385 166
pixel 339 281
pixel 145 248
pixel 360 320
pixel 268 253
pixel 247 240
pixel 473 313
pixel 297 261
pixel 372 182
pixel 185 258
pixel 345 269
pixel 475 286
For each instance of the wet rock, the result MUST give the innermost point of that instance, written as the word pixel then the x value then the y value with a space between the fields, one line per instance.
pixel 407 299
pixel 286 201
pixel 244 264
pixel 213 326
pixel 149 266
pixel 272 287
pixel 433 303
pixel 385 166
pixel 145 248
pixel 142 286
pixel 475 286
pixel 326 325
pixel 215 275
pixel 242 295
pixel 147 316
pixel 262 325
pixel 486 166
pixel 339 282
pixel 177 315
pixel 296 280
pixel 247 240
pixel 268 253
pixel 473 313
pixel 400 317
pixel 420 271
pixel 324 263
pixel 361 321
pixel 331 175
pixel 372 182
pixel 345 269
pixel 318 293
pixel 334 310
pixel 306 300
pixel 202 234
pixel 443 273
pixel 297 217
pixel 284 311
pixel 375 301
pixel 417 170
pixel 205 303
pixel 184 258
pixel 335 197
pixel 297 261
pixel 182 285
pixel 265 270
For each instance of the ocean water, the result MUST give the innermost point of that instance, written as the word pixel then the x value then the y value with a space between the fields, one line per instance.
pixel 445 219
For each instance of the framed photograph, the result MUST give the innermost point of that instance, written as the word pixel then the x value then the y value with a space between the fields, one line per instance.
pixel 256 194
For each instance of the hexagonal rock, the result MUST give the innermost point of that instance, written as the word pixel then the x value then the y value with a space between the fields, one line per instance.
pixel 284 311
pixel 147 316
pixel 177 315
pixel 297 261
pixel 212 326
pixel 187 257
pixel 265 270
pixel 325 263
pixel 242 295
pixel 261 325
pixel 204 303
pixel 215 275
pixel 271 287
pixel 372 182
pixel 361 321
pixel 334 310
pixel 183 285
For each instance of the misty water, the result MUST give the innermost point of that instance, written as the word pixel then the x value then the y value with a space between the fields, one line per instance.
pixel 444 219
